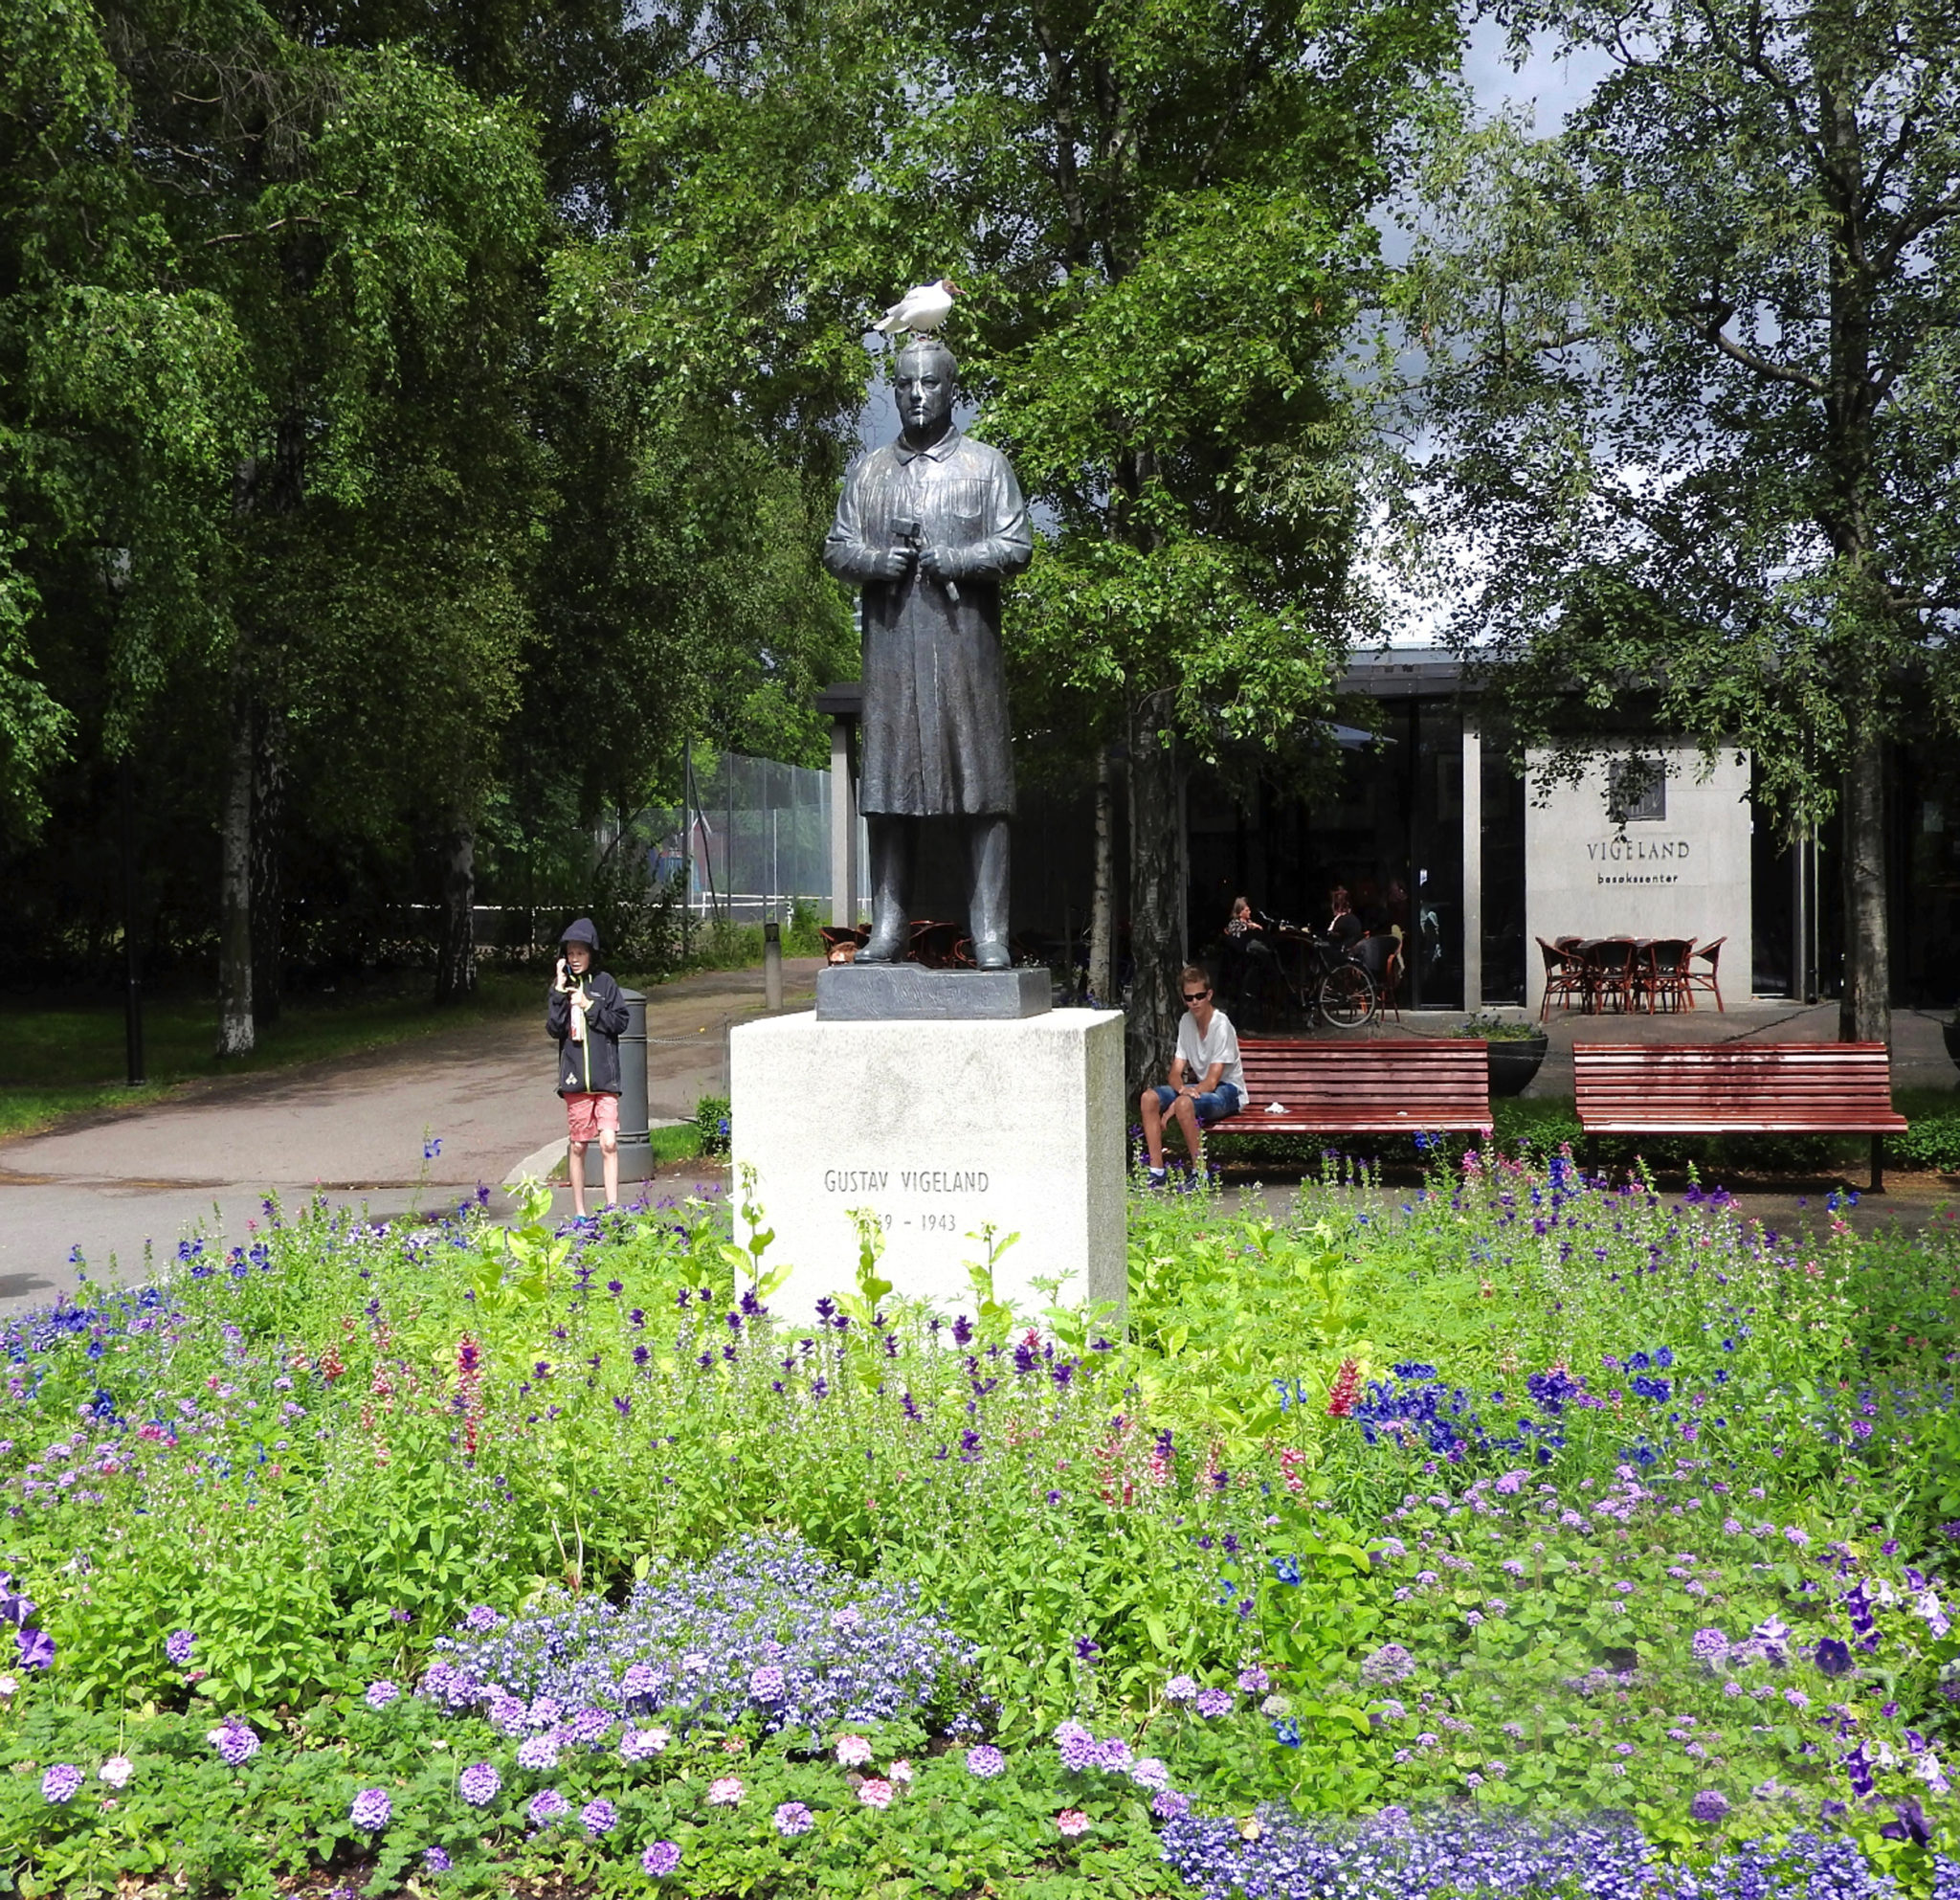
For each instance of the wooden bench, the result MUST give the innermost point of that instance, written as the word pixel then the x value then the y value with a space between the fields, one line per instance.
pixel 1738 1088
pixel 1398 1086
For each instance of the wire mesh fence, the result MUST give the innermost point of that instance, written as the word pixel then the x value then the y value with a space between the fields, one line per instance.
pixel 753 840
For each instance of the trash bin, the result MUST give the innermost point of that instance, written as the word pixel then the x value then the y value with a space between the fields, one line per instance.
pixel 635 1145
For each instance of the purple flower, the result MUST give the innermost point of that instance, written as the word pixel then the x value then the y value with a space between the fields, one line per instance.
pixel 178 1645
pixel 380 1695
pixel 1113 1755
pixel 659 1860
pixel 1710 1804
pixel 1075 1747
pixel 548 1805
pixel 1389 1664
pixel 236 1743
pixel 34 1649
pixel 436 1860
pixel 1214 1701
pixel 372 1810
pixel 60 1782
pixel 1181 1688
pixel 597 1817
pixel 793 1817
pixel 1834 1657
pixel 1709 1647
pixel 1168 1805
pixel 480 1618
pixel 1254 1680
pixel 642 1744
pixel 768 1684
pixel 479 1784
pixel 539 1754
pixel 985 1760
pixel 1150 1775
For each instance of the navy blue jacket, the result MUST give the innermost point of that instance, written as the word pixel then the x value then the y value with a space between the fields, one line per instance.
pixel 592 1067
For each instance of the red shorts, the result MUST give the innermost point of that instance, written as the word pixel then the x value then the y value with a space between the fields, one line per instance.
pixel 585 1115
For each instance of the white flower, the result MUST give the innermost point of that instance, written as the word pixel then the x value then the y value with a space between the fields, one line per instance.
pixel 9 1684
pixel 900 1772
pixel 116 1769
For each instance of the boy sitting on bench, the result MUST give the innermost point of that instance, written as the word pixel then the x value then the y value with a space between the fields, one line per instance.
pixel 1207 1049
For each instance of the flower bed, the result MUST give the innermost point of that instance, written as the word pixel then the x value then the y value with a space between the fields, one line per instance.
pixel 1518 1535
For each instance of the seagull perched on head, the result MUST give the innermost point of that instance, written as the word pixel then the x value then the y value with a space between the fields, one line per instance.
pixel 923 308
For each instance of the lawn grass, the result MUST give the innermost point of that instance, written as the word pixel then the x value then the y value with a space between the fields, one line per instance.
pixel 62 1055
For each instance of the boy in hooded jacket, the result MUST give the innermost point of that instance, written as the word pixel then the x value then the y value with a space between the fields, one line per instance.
pixel 584 1014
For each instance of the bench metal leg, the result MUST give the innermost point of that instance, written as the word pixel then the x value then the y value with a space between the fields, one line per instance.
pixel 1877 1186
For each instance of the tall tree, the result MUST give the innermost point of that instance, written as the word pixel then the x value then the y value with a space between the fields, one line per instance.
pixel 297 247
pixel 1693 375
pixel 1157 216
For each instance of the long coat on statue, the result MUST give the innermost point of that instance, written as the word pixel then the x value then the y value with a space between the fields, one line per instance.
pixel 935 739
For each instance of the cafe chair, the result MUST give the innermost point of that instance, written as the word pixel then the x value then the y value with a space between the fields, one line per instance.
pixel 1609 974
pixel 1666 978
pixel 841 942
pixel 1708 980
pixel 1382 958
pixel 1565 979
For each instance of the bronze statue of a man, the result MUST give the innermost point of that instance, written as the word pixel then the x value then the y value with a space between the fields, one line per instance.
pixel 930 526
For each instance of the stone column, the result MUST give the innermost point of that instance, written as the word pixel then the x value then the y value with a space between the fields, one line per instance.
pixel 843 827
pixel 1473 865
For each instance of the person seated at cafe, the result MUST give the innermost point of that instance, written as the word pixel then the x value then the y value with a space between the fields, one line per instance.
pixel 1345 930
pixel 1249 968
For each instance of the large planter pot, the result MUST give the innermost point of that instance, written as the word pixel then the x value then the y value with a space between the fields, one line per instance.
pixel 1951 1032
pixel 1513 1064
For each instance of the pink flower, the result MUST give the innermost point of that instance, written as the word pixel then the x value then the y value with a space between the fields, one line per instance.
pixel 726 1792
pixel 875 1793
pixel 1070 1823
pixel 901 1773
pixel 853 1750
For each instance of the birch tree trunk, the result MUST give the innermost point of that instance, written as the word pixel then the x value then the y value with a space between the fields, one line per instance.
pixel 455 958
pixel 1155 892
pixel 1102 890
pixel 236 1030
pixel 268 852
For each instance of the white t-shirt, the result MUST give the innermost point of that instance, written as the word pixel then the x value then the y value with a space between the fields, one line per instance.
pixel 1218 1044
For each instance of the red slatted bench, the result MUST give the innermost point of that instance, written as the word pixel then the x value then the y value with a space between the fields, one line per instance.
pixel 1388 1087
pixel 1738 1088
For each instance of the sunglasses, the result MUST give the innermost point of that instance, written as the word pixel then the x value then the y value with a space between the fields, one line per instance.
pixel 1195 996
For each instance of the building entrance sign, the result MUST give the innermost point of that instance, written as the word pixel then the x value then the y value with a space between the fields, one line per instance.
pixel 1642 846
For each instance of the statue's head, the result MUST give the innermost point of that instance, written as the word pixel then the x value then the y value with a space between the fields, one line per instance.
pixel 922 383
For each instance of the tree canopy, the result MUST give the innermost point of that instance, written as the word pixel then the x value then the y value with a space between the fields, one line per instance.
pixel 1692 371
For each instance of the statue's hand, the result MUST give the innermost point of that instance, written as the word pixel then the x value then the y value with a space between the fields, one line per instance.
pixel 939 564
pixel 896 562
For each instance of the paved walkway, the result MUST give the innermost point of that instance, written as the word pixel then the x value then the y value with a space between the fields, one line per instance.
pixel 355 1127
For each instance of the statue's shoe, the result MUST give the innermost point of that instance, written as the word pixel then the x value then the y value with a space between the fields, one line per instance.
pixel 991 953
pixel 879 950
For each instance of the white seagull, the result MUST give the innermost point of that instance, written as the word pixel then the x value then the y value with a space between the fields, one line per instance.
pixel 923 309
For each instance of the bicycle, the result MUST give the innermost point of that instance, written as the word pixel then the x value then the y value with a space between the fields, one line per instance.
pixel 1333 989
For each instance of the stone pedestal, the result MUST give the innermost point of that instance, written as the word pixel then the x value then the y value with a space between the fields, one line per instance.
pixel 936 1127
pixel 891 991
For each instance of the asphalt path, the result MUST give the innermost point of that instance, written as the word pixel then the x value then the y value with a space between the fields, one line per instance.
pixel 418 1126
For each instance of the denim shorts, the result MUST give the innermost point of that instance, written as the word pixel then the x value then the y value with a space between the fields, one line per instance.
pixel 1221 1101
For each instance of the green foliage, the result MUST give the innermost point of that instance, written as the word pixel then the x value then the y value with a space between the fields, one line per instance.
pixel 1493 1028
pixel 319 1452
pixel 711 1114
